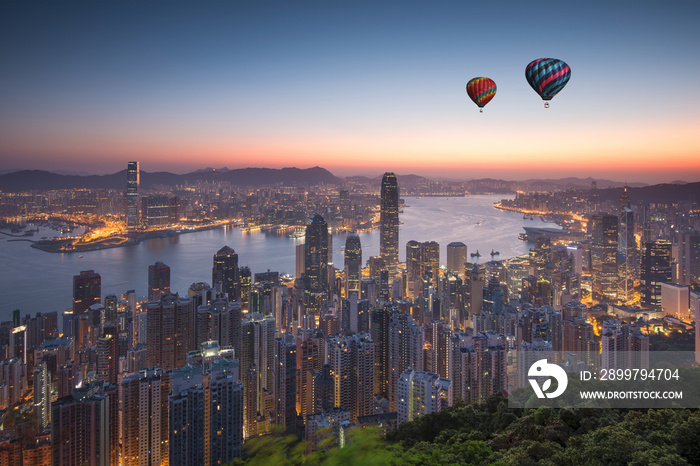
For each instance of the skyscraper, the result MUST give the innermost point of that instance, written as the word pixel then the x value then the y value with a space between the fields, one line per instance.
pixel 456 258
pixel 224 410
pixel 656 269
pixel 353 265
pixel 155 211
pixel 81 428
pixel 405 349
pixel 421 393
pixel 158 281
pixel 285 384
pixel 627 247
pixel 257 358
pixel 226 274
pixel 604 245
pixel 413 272
pixel 300 251
pixel 87 290
pixel 389 223
pixel 689 258
pixel 430 261
pixel 169 323
pixel 132 195
pixel 423 259
pixel 108 355
pixel 352 369
pixel 316 265
pixel 144 398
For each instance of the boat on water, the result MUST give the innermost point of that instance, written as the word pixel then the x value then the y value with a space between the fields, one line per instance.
pixel 479 222
pixel 475 254
pixel 494 253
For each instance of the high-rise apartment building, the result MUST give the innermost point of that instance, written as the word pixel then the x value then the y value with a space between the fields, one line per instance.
pixel 352 369
pixel 285 384
pixel 145 417
pixel 389 223
pixel 42 395
pixel 478 367
pixel 421 393
pixel 158 281
pixel 257 358
pixel 132 195
pixel 170 327
pixel 405 349
pixel 108 355
pixel 623 347
pixel 205 416
pixel 84 427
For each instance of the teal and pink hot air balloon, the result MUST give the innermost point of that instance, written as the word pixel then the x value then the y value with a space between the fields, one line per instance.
pixel 481 91
pixel 547 76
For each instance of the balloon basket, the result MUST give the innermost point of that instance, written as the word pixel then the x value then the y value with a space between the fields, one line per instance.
pixel 546 105
pixel 481 110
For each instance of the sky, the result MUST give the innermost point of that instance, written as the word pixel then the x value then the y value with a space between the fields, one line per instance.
pixel 355 87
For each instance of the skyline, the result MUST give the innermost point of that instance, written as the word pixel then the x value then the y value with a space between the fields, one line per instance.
pixel 359 89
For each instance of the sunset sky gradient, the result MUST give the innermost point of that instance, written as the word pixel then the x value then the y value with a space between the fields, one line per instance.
pixel 355 87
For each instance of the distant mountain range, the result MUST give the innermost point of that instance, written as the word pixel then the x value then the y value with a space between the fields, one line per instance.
pixel 29 180
pixel 582 183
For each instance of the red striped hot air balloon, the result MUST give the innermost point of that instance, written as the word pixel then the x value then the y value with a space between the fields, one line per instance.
pixel 481 91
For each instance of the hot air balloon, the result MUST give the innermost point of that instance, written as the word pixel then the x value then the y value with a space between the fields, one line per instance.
pixel 481 91
pixel 547 76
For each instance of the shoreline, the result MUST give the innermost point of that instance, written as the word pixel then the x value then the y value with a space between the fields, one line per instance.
pixel 54 245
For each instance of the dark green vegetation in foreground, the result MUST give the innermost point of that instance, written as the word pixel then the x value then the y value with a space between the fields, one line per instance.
pixel 490 432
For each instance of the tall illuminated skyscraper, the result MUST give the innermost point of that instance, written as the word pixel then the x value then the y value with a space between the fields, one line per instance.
pixel 389 223
pixel 413 271
pixel 456 258
pixel 430 261
pixel 604 245
pixel 316 265
pixel 225 272
pixel 132 194
pixel 353 265
pixel 656 269
pixel 627 248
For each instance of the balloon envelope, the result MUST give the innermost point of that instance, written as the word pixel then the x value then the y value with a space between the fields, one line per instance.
pixel 481 90
pixel 547 76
